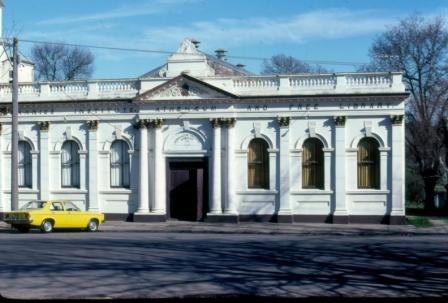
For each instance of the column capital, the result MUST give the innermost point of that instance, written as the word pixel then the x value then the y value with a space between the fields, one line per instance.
pixel 339 121
pixel 141 124
pixel 396 119
pixel 44 126
pixel 283 121
pixel 229 122
pixel 156 123
pixel 92 125
pixel 215 122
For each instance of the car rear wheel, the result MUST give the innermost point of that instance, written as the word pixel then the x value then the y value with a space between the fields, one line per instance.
pixel 93 225
pixel 47 226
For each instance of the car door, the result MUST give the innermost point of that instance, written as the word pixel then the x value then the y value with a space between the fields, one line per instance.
pixel 58 214
pixel 75 217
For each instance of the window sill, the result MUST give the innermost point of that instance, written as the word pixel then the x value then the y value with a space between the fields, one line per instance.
pixel 69 191
pixel 311 192
pixel 367 191
pixel 116 191
pixel 257 192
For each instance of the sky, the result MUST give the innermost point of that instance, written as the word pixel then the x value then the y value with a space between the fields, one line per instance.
pixel 336 31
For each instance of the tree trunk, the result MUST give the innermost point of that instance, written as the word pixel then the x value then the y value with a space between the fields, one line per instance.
pixel 430 183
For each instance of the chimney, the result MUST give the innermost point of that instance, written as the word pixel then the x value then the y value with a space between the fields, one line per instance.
pixel 196 43
pixel 240 65
pixel 220 54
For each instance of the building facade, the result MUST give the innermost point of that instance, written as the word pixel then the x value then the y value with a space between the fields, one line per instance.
pixel 201 139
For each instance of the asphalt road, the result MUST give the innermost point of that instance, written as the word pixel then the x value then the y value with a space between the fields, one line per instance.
pixel 80 265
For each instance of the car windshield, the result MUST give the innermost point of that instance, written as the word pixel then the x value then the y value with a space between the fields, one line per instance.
pixel 34 205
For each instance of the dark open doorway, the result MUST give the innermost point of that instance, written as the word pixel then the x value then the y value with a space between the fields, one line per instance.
pixel 187 190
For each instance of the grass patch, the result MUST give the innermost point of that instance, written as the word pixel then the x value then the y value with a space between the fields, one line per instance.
pixel 419 222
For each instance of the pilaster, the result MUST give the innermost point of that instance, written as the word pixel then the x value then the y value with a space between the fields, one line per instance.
pixel 159 206
pixel 340 207
pixel 230 205
pixel 143 193
pixel 93 198
pixel 398 168
pixel 284 211
pixel 215 206
pixel 44 165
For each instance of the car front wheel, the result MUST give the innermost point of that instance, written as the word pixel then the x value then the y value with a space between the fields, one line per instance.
pixel 93 225
pixel 47 226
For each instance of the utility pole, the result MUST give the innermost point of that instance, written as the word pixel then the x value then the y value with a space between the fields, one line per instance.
pixel 15 126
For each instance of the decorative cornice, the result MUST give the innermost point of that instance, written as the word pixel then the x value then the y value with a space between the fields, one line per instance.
pixel 283 121
pixel 340 120
pixel 44 126
pixel 93 125
pixel 396 119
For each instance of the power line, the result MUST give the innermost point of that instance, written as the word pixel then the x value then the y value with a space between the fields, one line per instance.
pixel 140 50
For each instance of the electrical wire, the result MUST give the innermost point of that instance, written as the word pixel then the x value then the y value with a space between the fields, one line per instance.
pixel 323 62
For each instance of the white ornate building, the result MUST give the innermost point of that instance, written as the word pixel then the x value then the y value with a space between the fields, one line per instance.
pixel 201 139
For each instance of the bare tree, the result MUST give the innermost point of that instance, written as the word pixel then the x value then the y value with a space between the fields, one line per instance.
pixel 282 64
pixel 55 62
pixel 419 48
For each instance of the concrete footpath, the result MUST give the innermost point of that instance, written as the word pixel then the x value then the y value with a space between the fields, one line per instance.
pixel 439 226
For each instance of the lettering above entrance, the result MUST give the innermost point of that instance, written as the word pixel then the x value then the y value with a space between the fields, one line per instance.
pixel 183 87
pixel 187 141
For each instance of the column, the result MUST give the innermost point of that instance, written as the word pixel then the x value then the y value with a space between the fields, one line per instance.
pixel 93 203
pixel 215 206
pixel 398 168
pixel 159 206
pixel 340 199
pixel 230 206
pixel 383 169
pixel 143 193
pixel 44 176
pixel 82 169
pixel 327 168
pixel 284 212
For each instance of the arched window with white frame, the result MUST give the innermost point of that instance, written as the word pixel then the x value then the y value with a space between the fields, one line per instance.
pixel 368 164
pixel 25 165
pixel 119 164
pixel 258 164
pixel 70 164
pixel 313 164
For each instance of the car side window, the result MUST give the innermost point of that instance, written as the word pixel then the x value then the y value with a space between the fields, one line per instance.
pixel 71 207
pixel 57 206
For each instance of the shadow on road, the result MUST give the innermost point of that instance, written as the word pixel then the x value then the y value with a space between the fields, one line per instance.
pixel 195 268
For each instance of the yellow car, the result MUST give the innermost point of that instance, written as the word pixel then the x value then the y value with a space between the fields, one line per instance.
pixel 48 215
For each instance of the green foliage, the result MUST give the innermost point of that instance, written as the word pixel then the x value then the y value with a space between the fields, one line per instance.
pixel 419 222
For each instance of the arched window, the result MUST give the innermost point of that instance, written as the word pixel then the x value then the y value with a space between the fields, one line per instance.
pixel 25 165
pixel 258 164
pixel 70 164
pixel 119 164
pixel 368 164
pixel 313 164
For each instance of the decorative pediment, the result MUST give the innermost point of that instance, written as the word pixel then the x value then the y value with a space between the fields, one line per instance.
pixel 183 87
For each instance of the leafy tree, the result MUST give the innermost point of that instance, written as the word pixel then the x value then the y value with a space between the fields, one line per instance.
pixel 55 62
pixel 419 48
pixel 283 64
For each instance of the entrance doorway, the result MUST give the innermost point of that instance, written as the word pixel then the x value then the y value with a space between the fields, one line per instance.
pixel 187 190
